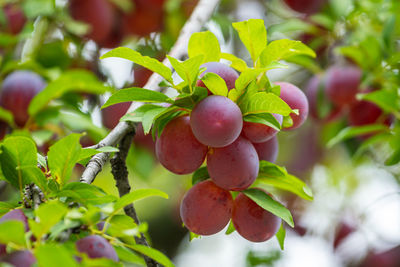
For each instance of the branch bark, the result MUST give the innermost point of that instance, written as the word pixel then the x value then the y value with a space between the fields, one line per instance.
pixel 199 17
pixel 120 173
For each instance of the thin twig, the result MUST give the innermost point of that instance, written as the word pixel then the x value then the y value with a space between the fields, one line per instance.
pixel 120 173
pixel 199 17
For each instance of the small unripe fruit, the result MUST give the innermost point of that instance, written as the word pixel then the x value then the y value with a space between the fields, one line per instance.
pixel 216 121
pixel 206 208
pixel 253 222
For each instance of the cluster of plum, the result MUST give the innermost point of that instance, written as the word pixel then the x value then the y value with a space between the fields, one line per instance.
pixel 215 130
pixel 109 24
pixel 94 246
pixel 333 94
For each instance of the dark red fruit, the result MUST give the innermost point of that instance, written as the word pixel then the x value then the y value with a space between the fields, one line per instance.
pixel 23 258
pixel 216 121
pixel 15 19
pixel 112 114
pixel 364 113
pixel 206 208
pixel 225 72
pixel 296 99
pixel 17 91
pixel 253 222
pixel 98 14
pixel 316 92
pixel 389 258
pixel 234 167
pixel 17 215
pixel 342 84
pixel 3 129
pixel 343 231
pixel 141 76
pixel 259 133
pixel 267 150
pixel 307 7
pixel 96 247
pixel 146 17
pixel 3 249
pixel 177 149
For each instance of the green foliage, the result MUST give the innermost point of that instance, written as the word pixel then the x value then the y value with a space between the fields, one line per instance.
pixel 280 236
pixel 54 255
pixel 205 44
pixel 215 84
pixel 12 232
pixel 199 175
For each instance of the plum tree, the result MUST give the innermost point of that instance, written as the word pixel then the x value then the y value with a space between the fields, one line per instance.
pixel 234 167
pixel 15 19
pixel 17 215
pixel 177 149
pixel 253 222
pixel 225 72
pixel 296 99
pixel 22 258
pixel 342 84
pixel 17 91
pixel 316 92
pixel 258 132
pixel 146 17
pixel 112 114
pixel 307 7
pixel 98 14
pixel 96 246
pixel 267 150
pixel 216 121
pixel 206 208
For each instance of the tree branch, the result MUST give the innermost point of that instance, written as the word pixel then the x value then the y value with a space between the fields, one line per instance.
pixel 120 173
pixel 199 17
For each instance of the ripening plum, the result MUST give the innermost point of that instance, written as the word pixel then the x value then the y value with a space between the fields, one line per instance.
pixel 15 19
pixel 267 150
pixel 206 208
pixel 315 91
pixel 96 247
pixel 225 72
pixel 234 167
pixel 258 132
pixel 17 215
pixel 388 258
pixel 342 84
pixel 296 99
pixel 23 258
pixel 112 114
pixel 3 249
pixel 253 222
pixel 17 91
pixel 216 121
pixel 177 149
pixel 146 17
pixel 364 113
pixel 307 7
pixel 98 14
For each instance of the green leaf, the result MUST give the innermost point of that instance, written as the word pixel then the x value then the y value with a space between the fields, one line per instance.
pixel 150 116
pixel 199 175
pixel 63 156
pixel 284 49
pixel 236 63
pixel 245 78
pixel 394 158
pixel 149 63
pixel 206 44
pixel 37 177
pixel 266 202
pixel 137 195
pixel 48 214
pixel 6 207
pixel 125 226
pixel 69 81
pixel 350 132
pixel 231 228
pixel 12 231
pixel 7 116
pixel 127 255
pixel 154 254
pixel 85 194
pixel 187 70
pixel 137 114
pixel 276 176
pixel 35 8
pixel 18 152
pixel 50 255
pixel 253 34
pixel 385 99
pixel 136 94
pixel 215 84
pixel 263 102
pixel 107 149
pixel 280 236
pixel 188 101
pixel 264 118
